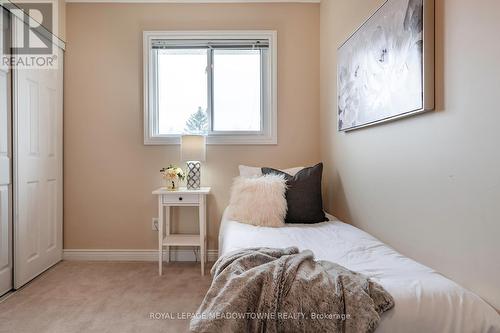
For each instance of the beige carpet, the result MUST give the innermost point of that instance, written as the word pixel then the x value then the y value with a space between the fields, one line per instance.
pixel 106 297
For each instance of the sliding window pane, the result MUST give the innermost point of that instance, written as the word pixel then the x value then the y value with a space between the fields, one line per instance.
pixel 237 90
pixel 182 91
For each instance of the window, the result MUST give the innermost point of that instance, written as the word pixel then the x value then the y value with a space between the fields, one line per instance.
pixel 222 84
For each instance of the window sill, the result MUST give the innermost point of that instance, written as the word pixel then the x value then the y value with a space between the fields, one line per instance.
pixel 216 140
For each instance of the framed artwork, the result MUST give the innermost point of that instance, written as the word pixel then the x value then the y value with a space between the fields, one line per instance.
pixel 385 69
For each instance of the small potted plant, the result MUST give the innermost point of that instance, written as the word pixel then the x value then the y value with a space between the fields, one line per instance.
pixel 171 176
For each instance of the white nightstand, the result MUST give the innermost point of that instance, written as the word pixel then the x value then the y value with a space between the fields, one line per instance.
pixel 182 197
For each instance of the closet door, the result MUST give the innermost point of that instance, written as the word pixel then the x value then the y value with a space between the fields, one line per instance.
pixel 5 168
pixel 37 100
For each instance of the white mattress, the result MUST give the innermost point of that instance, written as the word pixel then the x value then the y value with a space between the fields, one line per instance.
pixel 425 301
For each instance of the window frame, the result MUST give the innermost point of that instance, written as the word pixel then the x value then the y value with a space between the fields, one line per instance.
pixel 268 134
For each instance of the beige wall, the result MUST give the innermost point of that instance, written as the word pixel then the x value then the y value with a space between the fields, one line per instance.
pixel 428 185
pixel 109 173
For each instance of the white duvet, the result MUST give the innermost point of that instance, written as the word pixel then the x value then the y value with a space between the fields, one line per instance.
pixel 425 301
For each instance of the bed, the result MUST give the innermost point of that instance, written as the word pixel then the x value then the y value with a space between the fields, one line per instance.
pixel 425 300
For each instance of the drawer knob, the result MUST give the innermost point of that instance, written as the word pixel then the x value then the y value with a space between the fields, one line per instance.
pixel 180 198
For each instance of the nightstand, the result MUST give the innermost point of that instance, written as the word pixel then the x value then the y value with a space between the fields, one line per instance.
pixel 181 198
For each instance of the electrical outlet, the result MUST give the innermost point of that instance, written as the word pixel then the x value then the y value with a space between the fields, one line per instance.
pixel 154 224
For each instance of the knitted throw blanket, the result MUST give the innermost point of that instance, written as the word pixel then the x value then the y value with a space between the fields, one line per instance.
pixel 282 290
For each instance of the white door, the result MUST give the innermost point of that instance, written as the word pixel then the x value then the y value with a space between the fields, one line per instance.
pixel 37 100
pixel 5 170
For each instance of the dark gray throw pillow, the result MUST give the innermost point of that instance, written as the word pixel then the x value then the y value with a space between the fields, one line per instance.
pixel 303 196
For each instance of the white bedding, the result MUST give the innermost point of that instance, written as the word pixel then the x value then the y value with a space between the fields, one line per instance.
pixel 425 301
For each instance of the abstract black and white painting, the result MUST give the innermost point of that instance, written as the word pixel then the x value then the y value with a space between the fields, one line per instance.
pixel 381 67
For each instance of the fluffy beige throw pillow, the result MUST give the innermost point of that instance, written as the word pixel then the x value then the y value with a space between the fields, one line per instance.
pixel 259 200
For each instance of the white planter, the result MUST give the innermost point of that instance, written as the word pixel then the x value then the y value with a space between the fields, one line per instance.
pixel 171 184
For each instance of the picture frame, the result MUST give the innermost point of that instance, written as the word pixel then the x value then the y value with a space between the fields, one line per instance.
pixel 385 69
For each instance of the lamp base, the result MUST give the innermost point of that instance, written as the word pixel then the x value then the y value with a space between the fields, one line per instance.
pixel 193 179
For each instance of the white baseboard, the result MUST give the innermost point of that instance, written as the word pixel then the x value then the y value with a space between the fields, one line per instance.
pixel 134 255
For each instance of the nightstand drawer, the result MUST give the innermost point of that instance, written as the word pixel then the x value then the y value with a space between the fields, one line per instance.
pixel 180 199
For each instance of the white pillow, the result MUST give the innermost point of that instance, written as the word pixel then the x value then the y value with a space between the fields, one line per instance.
pixel 258 200
pixel 249 171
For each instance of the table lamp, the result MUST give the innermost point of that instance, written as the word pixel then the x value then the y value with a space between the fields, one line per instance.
pixel 193 152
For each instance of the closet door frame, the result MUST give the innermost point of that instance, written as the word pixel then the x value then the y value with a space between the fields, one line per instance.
pixel 6 208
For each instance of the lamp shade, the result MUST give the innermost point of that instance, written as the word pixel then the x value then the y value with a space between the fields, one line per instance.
pixel 193 148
